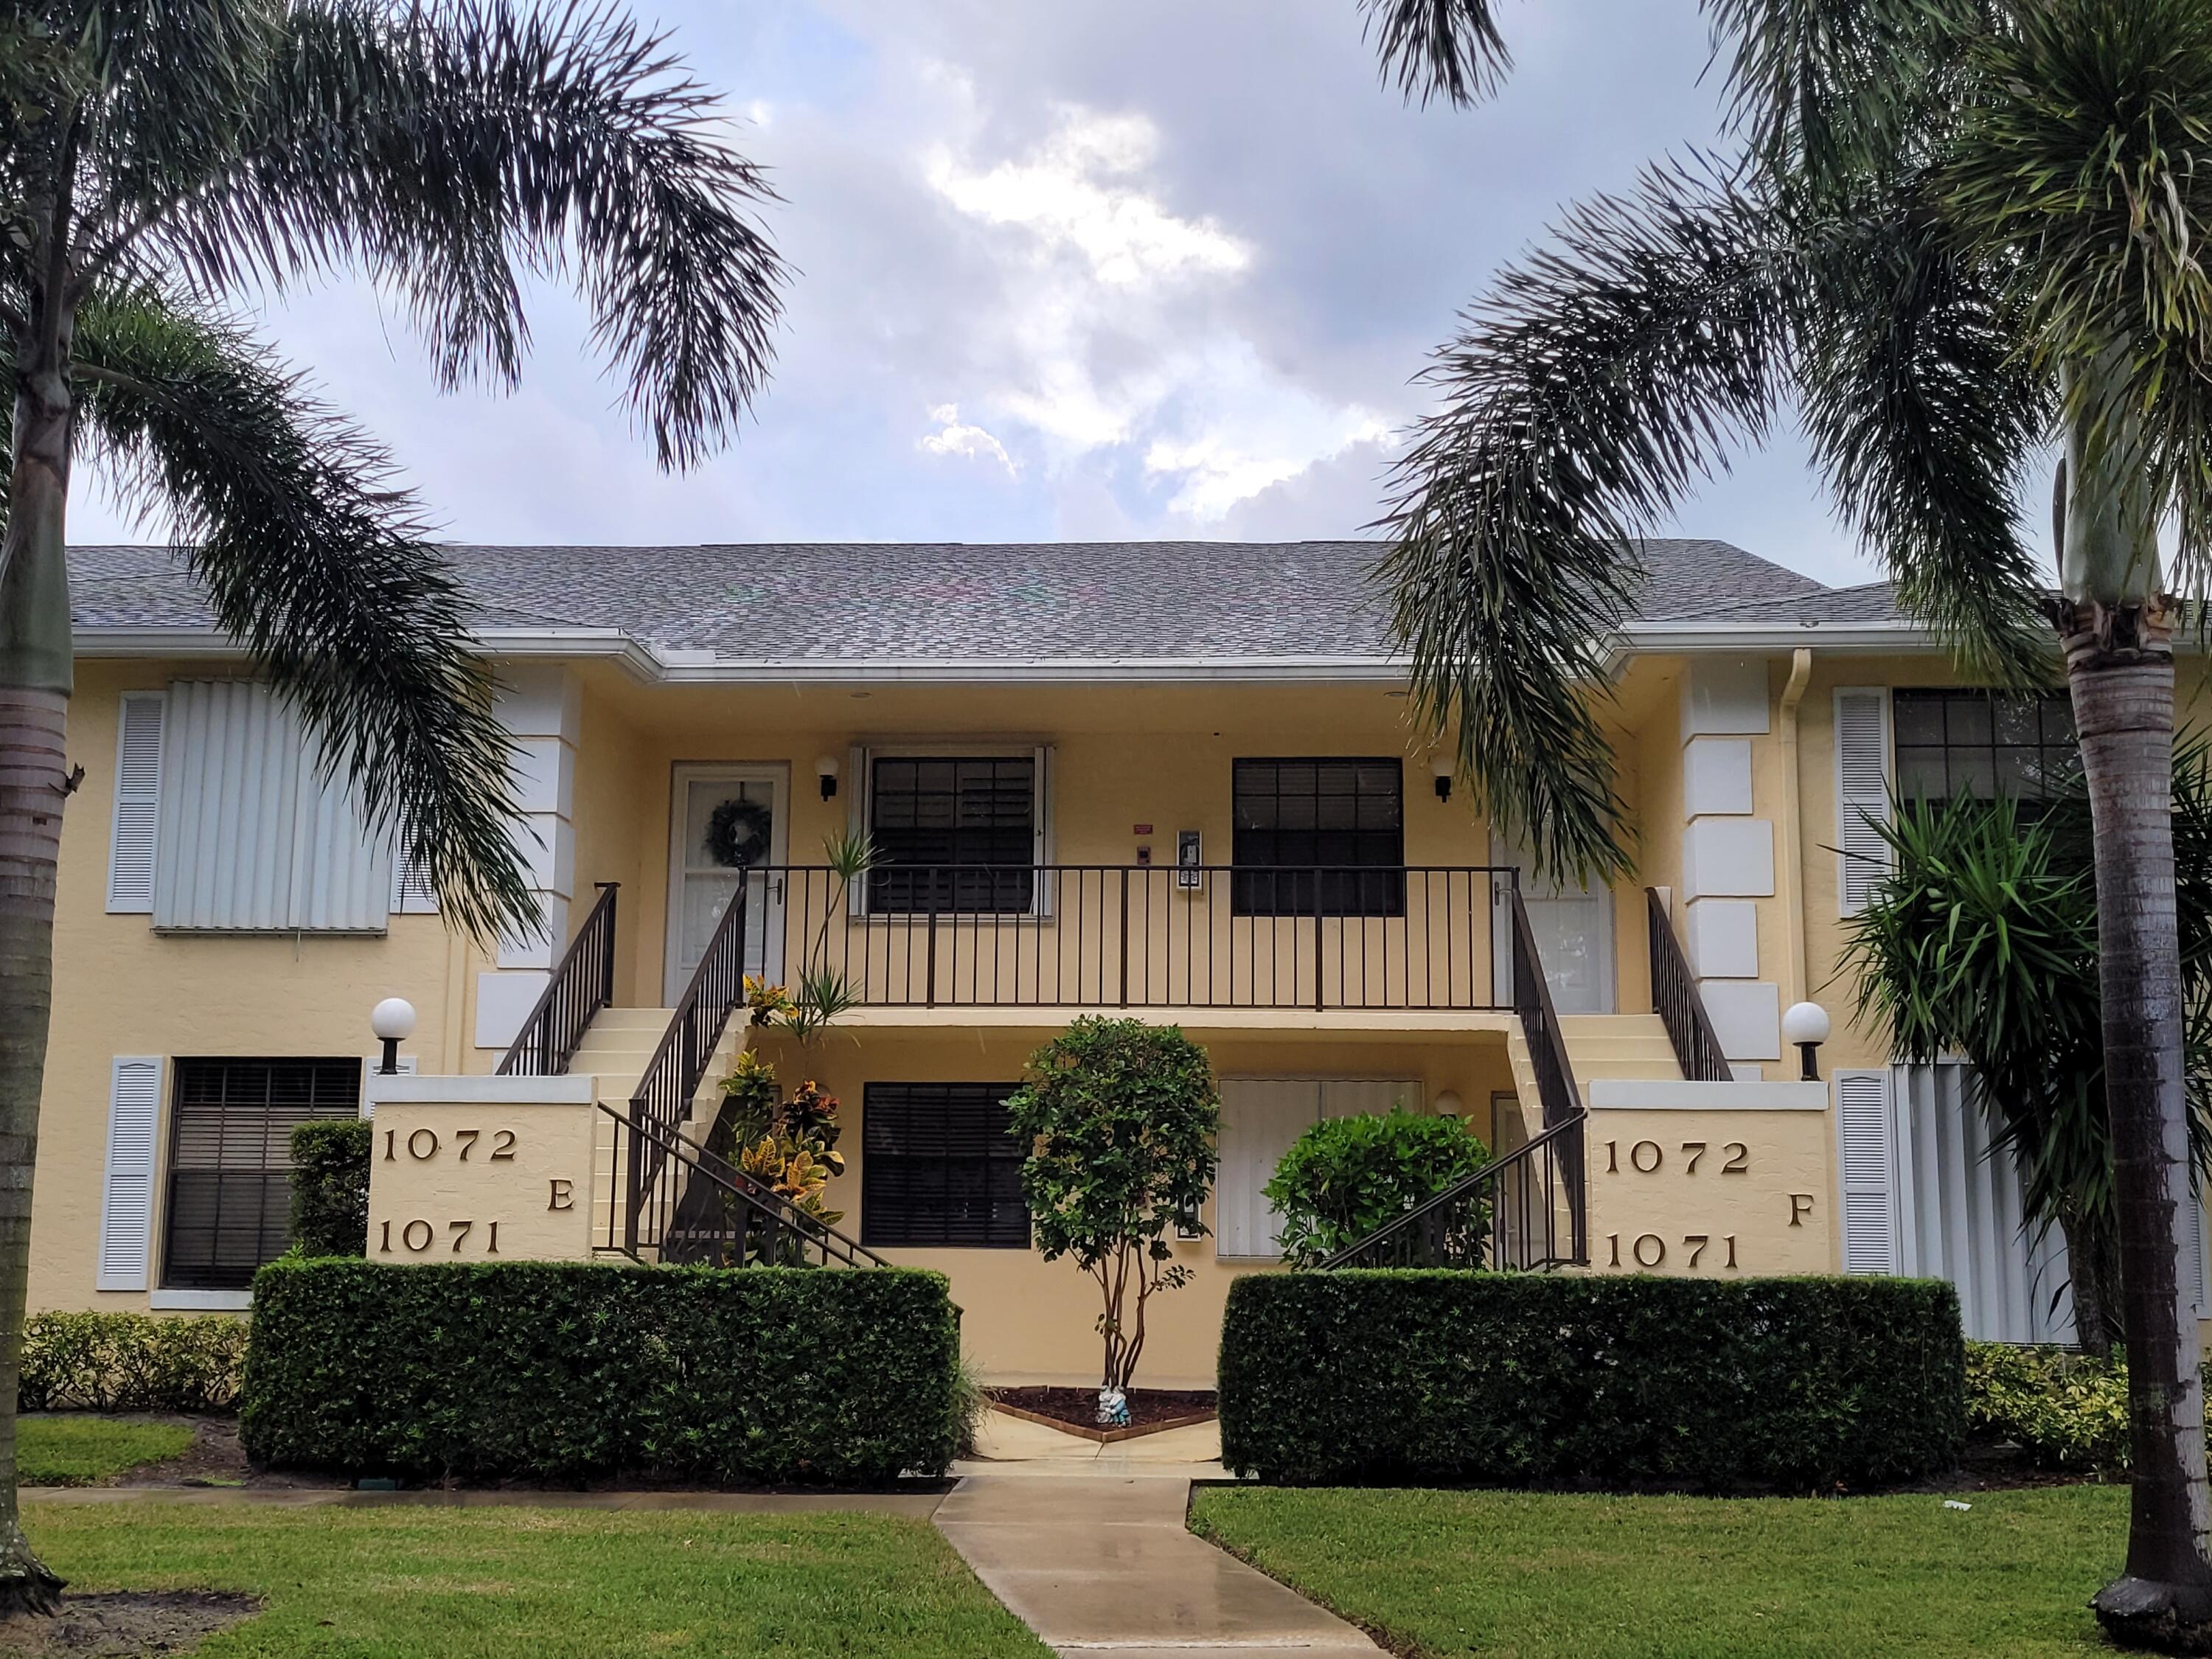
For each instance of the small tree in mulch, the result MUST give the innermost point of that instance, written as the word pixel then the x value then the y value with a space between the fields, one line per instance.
pixel 1120 1118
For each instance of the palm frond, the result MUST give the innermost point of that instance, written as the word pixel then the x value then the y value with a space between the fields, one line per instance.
pixel 1598 382
pixel 1448 49
pixel 319 566
pixel 453 150
pixel 1922 409
pixel 2079 165
pixel 1826 89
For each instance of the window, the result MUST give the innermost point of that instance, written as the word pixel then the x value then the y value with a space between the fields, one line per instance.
pixel 1319 837
pixel 1982 743
pixel 955 833
pixel 230 1158
pixel 938 1167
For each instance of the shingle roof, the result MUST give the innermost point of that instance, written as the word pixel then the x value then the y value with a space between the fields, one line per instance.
pixel 924 601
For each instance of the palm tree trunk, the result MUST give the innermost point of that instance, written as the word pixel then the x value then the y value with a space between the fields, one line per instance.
pixel 34 782
pixel 2093 1270
pixel 2122 673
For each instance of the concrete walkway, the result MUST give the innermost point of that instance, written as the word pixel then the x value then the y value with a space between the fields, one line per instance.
pixel 1088 1548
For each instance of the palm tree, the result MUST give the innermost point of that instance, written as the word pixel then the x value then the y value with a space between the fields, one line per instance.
pixel 1960 232
pixel 162 159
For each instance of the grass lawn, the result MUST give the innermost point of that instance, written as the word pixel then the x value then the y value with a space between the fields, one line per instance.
pixel 79 1451
pixel 403 1583
pixel 1529 1574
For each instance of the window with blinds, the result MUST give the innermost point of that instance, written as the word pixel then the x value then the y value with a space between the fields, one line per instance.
pixel 938 1167
pixel 1319 837
pixel 230 1160
pixel 953 833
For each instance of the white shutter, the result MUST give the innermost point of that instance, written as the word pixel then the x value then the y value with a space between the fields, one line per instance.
pixel 126 1198
pixel 1866 1134
pixel 1861 795
pixel 135 835
pixel 2192 1246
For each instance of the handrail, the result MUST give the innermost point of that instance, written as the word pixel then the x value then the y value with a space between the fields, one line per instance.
pixel 1505 1215
pixel 702 1209
pixel 671 1078
pixel 1682 1010
pixel 1562 1102
pixel 1539 1023
pixel 582 984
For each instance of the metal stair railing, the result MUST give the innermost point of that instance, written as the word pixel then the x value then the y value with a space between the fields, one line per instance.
pixel 1680 1008
pixel 583 984
pixel 671 1078
pixel 696 1209
pixel 1507 1215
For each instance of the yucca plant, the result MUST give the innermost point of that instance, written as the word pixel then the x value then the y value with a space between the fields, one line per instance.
pixel 161 161
pixel 1960 232
pixel 1981 943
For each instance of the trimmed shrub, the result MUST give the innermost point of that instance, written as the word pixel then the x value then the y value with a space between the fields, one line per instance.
pixel 1346 1177
pixel 569 1372
pixel 1624 1382
pixel 330 1187
pixel 2064 1409
pixel 129 1362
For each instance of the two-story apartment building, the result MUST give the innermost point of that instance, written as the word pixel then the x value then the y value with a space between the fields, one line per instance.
pixel 1173 779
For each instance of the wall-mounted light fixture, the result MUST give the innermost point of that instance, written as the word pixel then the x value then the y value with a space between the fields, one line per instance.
pixel 1449 1105
pixel 1441 766
pixel 825 768
pixel 391 1020
pixel 1806 1025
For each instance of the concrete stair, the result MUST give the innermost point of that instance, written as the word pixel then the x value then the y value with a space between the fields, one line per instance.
pixel 1633 1045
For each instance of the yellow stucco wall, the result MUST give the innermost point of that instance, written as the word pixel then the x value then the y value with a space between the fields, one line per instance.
pixel 120 988
pixel 1122 757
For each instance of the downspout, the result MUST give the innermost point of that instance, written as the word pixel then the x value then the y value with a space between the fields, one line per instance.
pixel 1793 844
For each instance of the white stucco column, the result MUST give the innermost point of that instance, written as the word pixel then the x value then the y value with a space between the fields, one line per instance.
pixel 1728 855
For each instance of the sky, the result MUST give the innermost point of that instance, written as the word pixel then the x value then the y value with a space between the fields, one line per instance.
pixel 1069 269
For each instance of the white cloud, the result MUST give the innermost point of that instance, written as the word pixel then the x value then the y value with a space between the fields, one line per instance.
pixel 1069 193
pixel 1125 325
pixel 953 438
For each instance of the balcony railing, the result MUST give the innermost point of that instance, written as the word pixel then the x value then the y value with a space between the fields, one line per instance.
pixel 1137 936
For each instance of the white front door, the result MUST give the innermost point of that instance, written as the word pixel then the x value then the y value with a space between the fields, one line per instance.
pixel 1572 929
pixel 727 827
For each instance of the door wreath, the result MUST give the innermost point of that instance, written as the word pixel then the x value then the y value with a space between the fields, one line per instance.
pixel 738 833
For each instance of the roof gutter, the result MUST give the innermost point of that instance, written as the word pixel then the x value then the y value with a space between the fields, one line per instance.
pixel 656 665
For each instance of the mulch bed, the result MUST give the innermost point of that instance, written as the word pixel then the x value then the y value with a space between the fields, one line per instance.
pixel 127 1622
pixel 1150 1410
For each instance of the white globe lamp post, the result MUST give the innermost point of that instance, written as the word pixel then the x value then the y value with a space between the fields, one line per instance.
pixel 1806 1025
pixel 392 1020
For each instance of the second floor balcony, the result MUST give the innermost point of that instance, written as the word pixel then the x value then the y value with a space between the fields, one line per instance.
pixel 1122 936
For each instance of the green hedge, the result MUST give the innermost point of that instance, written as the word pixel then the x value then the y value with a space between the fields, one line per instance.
pixel 570 1371
pixel 1627 1382
pixel 330 1187
pixel 128 1361
pixel 2064 1409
